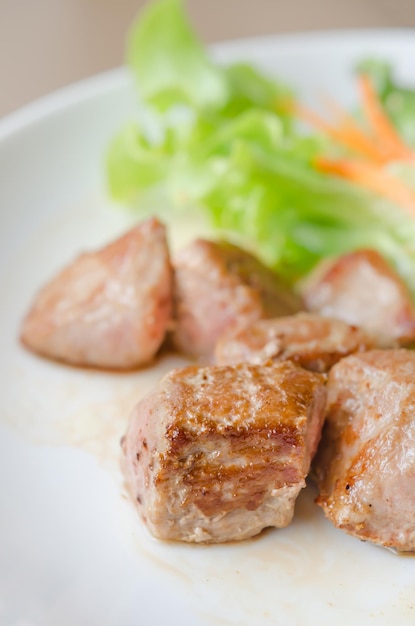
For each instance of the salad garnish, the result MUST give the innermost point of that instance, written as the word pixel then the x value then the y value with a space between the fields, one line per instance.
pixel 375 144
pixel 229 140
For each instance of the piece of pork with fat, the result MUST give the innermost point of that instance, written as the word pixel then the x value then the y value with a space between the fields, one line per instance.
pixel 219 286
pixel 365 465
pixel 362 289
pixel 312 341
pixel 109 308
pixel 216 454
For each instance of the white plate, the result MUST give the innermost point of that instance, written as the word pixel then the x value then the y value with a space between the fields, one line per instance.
pixel 72 551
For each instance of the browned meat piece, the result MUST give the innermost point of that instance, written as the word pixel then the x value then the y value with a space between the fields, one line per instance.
pixel 362 289
pixel 218 286
pixel 109 308
pixel 365 466
pixel 218 453
pixel 312 341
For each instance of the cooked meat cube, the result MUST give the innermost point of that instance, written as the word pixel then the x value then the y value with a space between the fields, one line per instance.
pixel 109 308
pixel 365 465
pixel 362 289
pixel 312 341
pixel 217 454
pixel 218 286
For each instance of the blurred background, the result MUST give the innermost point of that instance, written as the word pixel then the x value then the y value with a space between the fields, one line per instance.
pixel 45 44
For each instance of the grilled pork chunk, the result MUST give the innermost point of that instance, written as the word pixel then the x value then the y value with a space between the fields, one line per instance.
pixel 108 308
pixel 312 341
pixel 365 465
pixel 362 289
pixel 216 454
pixel 219 286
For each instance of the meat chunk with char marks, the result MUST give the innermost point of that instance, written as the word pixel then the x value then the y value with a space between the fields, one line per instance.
pixel 312 341
pixel 109 308
pixel 362 289
pixel 216 454
pixel 365 465
pixel 220 286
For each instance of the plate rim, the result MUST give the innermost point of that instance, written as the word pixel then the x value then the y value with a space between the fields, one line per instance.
pixel 98 84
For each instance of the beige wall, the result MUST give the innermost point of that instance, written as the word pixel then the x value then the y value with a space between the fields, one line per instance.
pixel 45 44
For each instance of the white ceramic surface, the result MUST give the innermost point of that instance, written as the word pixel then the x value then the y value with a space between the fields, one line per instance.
pixel 72 551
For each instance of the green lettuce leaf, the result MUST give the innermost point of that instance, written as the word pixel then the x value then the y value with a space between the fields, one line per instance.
pixel 296 216
pixel 199 108
pixel 185 164
pixel 168 61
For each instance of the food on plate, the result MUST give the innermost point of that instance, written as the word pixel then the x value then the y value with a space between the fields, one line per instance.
pixel 109 308
pixel 314 342
pixel 365 465
pixel 396 97
pixel 219 286
pixel 216 454
pixel 362 289
pixel 369 146
pixel 239 152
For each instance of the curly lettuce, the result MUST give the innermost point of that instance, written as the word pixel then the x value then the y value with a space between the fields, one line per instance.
pixel 224 139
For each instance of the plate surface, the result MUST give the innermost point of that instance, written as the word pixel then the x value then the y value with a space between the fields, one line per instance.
pixel 72 551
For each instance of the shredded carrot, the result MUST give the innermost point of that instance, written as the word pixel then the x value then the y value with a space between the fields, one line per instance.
pixel 388 140
pixel 348 135
pixel 379 144
pixel 373 178
pixel 354 136
pixel 374 147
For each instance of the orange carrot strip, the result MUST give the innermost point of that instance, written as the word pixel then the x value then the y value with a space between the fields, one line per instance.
pixel 350 135
pixel 388 139
pixel 358 137
pixel 373 178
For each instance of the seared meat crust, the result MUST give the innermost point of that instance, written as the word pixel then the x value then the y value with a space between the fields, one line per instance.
pixel 363 290
pixel 219 286
pixel 314 342
pixel 109 308
pixel 365 465
pixel 218 453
